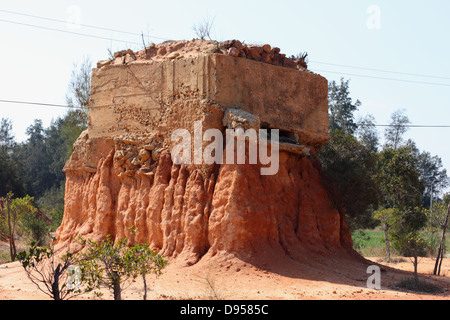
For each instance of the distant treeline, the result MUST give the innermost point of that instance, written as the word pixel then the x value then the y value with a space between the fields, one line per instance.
pixel 366 175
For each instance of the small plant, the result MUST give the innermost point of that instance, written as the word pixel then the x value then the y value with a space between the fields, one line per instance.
pixel 102 265
pixel 413 246
pixel 211 288
pixel 203 29
pixel 303 59
pixel 113 265
pixel 145 262
pixel 212 292
pixel 49 273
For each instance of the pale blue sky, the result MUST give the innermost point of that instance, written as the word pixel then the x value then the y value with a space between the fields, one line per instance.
pixel 412 37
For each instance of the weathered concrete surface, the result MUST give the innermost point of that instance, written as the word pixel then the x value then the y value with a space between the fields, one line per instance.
pixel 158 96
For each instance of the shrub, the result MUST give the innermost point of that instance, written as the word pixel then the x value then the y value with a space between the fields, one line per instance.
pixel 36 227
pixel 113 265
pixel 48 272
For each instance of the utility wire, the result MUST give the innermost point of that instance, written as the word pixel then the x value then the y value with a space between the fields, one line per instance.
pixel 359 124
pixel 379 70
pixel 70 32
pixel 38 104
pixel 136 34
pixel 383 78
pixel 140 43
pixel 407 126
pixel 82 25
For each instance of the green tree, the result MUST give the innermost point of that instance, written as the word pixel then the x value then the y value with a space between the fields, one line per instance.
pixel 413 245
pixel 59 139
pixel 9 173
pixel 34 161
pixel 145 261
pixel 341 107
pixel 400 181
pixel 367 132
pixel 36 226
pixel 57 149
pixel 51 203
pixel 406 238
pixel 402 190
pixel 385 216
pixel 9 176
pixel 398 127
pixel 102 265
pixel 351 173
pixel 446 199
pixel 111 264
pixel 72 127
pixel 11 211
pixel 434 177
pixel 405 225
pixel 439 214
pixel 79 91
pixel 6 137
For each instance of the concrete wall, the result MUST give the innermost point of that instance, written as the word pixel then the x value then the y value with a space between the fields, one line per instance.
pixel 161 96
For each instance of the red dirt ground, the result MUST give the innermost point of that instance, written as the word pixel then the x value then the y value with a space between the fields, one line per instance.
pixel 228 278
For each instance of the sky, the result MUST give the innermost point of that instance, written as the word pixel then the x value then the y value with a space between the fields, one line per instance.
pixel 395 53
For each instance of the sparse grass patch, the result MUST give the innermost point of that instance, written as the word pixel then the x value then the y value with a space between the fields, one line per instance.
pixel 212 292
pixel 421 286
pixel 4 256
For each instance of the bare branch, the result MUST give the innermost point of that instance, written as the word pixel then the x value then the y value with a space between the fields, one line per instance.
pixel 203 29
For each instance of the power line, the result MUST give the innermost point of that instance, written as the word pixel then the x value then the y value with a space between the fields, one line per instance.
pixel 383 78
pixel 407 126
pixel 69 32
pixel 38 104
pixel 140 43
pixel 358 124
pixel 136 34
pixel 379 70
pixel 82 25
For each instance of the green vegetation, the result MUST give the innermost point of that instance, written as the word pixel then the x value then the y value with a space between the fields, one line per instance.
pixel 31 177
pixel 19 212
pixel 370 243
pixel 110 264
pixel 350 172
pixel 47 272
pixel 393 187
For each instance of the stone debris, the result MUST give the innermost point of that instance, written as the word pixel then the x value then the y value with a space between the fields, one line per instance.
pixel 171 50
pixel 235 118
